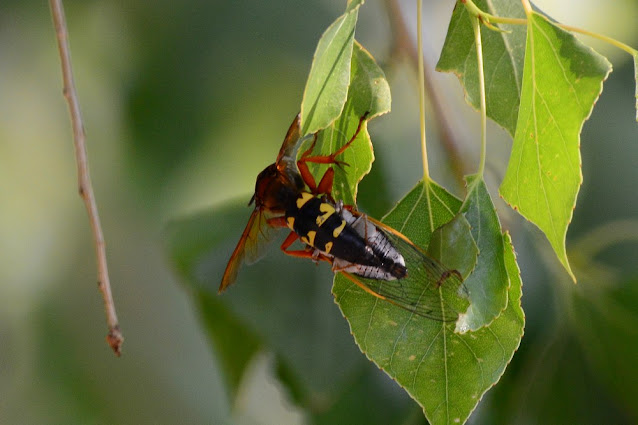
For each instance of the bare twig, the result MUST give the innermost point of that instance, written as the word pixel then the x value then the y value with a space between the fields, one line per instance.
pixel 404 43
pixel 114 337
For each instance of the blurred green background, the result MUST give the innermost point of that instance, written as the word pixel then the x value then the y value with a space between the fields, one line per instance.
pixel 184 103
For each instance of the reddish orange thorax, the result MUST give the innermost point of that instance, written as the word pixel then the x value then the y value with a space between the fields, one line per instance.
pixel 277 186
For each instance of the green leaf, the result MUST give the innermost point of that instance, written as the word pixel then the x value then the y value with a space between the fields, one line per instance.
pixel 489 281
pixel 561 81
pixel 503 54
pixel 437 207
pixel 369 92
pixel 327 85
pixel 446 373
pixel 453 245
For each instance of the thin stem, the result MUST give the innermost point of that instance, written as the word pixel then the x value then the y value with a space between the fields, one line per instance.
pixel 476 25
pixel 503 20
pixel 114 337
pixel 404 43
pixel 602 37
pixel 419 37
pixel 489 18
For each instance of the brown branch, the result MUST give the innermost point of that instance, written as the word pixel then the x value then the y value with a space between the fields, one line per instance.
pixel 404 43
pixel 114 337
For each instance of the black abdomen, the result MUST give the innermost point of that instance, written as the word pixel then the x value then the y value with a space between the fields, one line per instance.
pixel 362 250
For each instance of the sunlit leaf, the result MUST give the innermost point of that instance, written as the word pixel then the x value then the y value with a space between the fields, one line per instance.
pixel 445 372
pixel 503 54
pixel 369 91
pixel 327 85
pixel 561 81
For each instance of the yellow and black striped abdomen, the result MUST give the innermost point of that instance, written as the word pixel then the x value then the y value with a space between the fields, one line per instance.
pixel 317 222
pixel 323 226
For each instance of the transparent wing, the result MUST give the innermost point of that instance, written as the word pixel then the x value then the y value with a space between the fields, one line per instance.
pixel 259 237
pixel 251 246
pixel 290 141
pixel 429 289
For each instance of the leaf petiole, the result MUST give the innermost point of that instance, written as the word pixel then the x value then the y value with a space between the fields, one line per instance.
pixel 421 70
pixel 489 19
pixel 481 76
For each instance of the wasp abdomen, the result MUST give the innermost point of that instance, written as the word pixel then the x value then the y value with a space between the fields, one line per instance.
pixel 355 244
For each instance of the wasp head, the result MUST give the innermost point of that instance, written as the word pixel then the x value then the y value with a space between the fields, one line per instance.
pixel 277 185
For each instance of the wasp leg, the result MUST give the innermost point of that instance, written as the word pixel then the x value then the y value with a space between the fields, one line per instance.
pixel 312 146
pixel 325 185
pixel 290 239
pixel 331 159
pixel 360 284
pixel 302 253
pixel 307 177
pixel 309 252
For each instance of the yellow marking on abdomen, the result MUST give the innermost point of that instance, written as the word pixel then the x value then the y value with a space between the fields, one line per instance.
pixel 303 198
pixel 327 211
pixel 291 223
pixel 336 232
pixel 309 239
pixel 327 248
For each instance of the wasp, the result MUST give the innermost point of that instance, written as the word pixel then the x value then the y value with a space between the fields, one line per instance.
pixel 378 259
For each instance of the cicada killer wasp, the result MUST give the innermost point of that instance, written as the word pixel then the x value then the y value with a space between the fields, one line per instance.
pixel 377 258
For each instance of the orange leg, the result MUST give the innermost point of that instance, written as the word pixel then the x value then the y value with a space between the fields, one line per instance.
pixel 312 146
pixel 301 253
pixel 290 239
pixel 331 159
pixel 360 284
pixel 325 185
pixel 307 177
